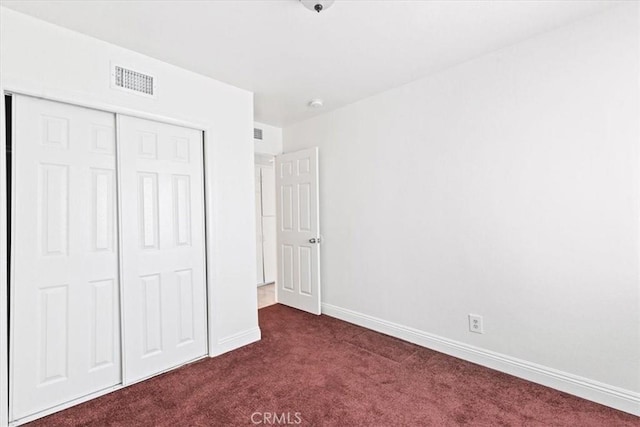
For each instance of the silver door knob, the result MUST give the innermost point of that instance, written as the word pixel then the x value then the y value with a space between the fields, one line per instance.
pixel 314 240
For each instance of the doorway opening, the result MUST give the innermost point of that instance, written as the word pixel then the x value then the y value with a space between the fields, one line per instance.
pixel 266 265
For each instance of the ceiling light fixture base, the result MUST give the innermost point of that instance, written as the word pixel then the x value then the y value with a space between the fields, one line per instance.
pixel 317 5
pixel 316 103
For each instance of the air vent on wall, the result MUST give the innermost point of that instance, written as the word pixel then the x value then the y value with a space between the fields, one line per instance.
pixel 257 133
pixel 132 81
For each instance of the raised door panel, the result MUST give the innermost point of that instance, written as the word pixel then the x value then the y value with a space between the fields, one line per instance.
pixel 148 210
pixel 103 227
pixel 182 209
pixel 53 201
pixel 151 308
pixel 53 348
pixel 164 290
pixel 104 335
pixel 65 318
pixel 186 307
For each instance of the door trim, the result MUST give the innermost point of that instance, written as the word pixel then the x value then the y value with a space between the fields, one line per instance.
pixel 4 303
pixel 118 202
pixel 209 183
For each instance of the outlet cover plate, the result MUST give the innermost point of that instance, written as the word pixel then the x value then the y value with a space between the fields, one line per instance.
pixel 475 324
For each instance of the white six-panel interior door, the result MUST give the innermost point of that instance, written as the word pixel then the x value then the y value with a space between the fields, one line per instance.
pixel 298 230
pixel 90 298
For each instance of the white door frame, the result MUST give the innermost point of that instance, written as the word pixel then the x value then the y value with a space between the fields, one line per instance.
pixel 210 184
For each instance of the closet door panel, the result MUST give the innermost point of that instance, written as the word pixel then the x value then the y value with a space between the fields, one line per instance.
pixel 65 319
pixel 164 290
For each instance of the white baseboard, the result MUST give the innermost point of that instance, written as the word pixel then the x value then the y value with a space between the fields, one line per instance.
pixel 238 340
pixel 615 397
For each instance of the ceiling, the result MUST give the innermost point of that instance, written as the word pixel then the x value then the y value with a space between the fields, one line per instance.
pixel 288 55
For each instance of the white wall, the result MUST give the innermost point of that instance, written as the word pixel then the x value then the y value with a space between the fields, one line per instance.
pixel 53 62
pixel 271 143
pixel 507 186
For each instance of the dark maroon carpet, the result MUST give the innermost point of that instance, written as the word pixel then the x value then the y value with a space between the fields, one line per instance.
pixel 324 372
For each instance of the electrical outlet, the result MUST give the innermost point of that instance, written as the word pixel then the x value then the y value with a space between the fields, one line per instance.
pixel 475 324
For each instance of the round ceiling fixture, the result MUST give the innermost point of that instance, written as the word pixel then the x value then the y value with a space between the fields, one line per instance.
pixel 317 5
pixel 316 103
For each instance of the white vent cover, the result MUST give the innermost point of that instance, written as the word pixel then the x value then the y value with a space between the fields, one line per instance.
pixel 132 81
pixel 257 133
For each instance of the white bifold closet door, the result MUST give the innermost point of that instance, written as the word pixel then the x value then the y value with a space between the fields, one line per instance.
pixel 163 263
pixel 65 319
